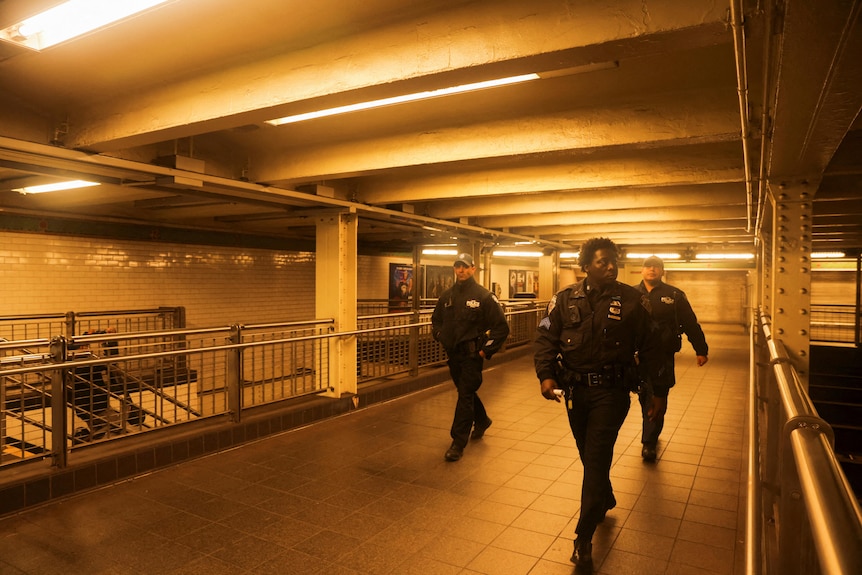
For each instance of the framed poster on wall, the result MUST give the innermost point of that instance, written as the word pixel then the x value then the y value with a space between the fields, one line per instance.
pixel 400 287
pixel 523 282
pixel 437 280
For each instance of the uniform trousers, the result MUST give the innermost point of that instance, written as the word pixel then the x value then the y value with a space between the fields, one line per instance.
pixel 652 429
pixel 465 367
pixel 595 416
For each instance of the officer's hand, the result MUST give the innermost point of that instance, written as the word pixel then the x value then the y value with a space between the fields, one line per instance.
pixel 701 359
pixel 548 387
pixel 658 408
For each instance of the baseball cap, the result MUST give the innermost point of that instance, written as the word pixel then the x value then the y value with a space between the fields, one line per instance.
pixel 653 261
pixel 466 259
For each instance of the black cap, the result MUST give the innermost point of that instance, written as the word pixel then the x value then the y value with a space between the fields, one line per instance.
pixel 466 259
pixel 653 262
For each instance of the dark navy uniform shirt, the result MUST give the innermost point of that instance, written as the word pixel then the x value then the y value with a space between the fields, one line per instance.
pixel 467 312
pixel 590 328
pixel 672 311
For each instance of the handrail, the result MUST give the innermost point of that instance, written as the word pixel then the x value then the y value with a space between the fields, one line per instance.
pixel 836 521
pixel 754 501
pixel 63 315
pixel 252 371
pixel 833 511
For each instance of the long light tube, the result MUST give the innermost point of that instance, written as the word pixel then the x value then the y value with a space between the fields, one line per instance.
pixel 71 19
pixel 723 256
pixel 643 256
pixel 516 254
pixel 827 255
pixel 55 187
pixel 402 99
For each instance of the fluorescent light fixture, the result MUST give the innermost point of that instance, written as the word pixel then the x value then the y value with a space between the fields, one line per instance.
pixel 71 19
pixel 403 99
pixel 742 256
pixel 643 256
pixel 827 255
pixel 569 255
pixel 55 187
pixel 516 254
pixel 438 252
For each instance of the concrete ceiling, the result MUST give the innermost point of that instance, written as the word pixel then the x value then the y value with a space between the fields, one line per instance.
pixel 645 124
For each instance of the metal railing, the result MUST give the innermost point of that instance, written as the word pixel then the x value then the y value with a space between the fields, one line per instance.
pixel 70 323
pixel 114 385
pixel 813 523
pixel 833 323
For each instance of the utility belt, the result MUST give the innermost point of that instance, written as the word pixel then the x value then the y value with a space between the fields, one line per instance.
pixel 611 375
pixel 469 346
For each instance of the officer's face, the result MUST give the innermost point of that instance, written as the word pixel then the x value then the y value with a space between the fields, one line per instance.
pixel 652 273
pixel 463 271
pixel 603 269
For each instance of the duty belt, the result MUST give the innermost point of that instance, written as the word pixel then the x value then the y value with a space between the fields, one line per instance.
pixel 469 346
pixel 611 374
pixel 592 379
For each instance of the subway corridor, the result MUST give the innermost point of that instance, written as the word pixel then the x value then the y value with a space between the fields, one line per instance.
pixel 370 493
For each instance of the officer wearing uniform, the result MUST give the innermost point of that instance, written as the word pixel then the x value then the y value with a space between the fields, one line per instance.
pixel 586 346
pixel 469 321
pixel 672 312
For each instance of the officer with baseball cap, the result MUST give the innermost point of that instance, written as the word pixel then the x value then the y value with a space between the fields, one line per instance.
pixel 672 312
pixel 470 324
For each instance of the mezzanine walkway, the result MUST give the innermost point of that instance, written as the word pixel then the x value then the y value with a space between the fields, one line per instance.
pixel 370 493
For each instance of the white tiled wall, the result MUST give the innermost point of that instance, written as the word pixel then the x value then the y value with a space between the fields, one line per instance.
pixel 217 285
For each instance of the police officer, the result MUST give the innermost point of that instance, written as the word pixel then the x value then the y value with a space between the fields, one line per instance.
pixel 672 312
pixel 469 321
pixel 586 346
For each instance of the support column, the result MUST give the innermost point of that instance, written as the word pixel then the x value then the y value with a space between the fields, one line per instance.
pixel 335 293
pixel 791 266
pixel 549 277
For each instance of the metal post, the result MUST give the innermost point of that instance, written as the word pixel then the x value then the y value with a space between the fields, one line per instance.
pixel 234 374
pixel 59 376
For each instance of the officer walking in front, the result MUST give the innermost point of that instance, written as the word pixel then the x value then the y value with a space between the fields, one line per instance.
pixel 585 348
pixel 469 321
pixel 672 312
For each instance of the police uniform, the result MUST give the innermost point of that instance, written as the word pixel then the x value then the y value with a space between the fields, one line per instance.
pixel 587 343
pixel 672 312
pixel 468 318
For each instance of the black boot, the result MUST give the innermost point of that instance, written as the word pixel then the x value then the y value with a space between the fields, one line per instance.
pixel 454 452
pixel 582 556
pixel 648 453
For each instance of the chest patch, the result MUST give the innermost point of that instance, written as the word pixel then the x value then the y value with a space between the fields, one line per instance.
pixel 616 309
pixel 473 303
pixel 667 299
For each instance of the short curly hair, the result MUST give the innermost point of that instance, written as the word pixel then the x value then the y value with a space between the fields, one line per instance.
pixel 590 247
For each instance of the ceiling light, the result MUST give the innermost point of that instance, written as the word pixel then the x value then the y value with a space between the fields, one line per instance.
pixel 827 255
pixel 71 19
pixel 403 99
pixel 742 256
pixel 569 255
pixel 643 256
pixel 55 187
pixel 438 252
pixel 516 254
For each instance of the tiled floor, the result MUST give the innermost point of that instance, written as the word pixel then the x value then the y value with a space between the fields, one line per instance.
pixel 370 493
